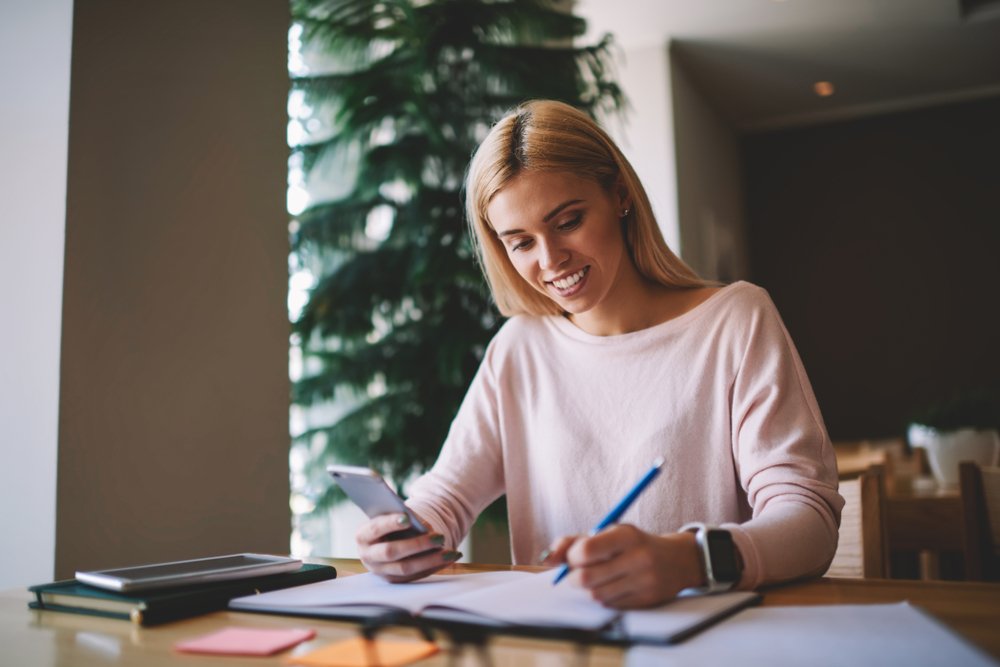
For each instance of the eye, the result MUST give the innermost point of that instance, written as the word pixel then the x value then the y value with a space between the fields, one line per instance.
pixel 519 244
pixel 572 223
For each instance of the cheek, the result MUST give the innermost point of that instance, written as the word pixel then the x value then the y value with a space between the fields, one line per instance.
pixel 522 264
pixel 611 233
pixel 610 240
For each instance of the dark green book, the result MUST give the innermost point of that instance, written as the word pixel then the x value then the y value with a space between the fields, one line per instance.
pixel 169 604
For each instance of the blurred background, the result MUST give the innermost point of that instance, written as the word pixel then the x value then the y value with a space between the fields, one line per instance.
pixel 170 177
pixel 841 155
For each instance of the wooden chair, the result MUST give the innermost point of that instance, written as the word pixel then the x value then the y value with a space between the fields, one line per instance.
pixel 856 456
pixel 863 547
pixel 980 492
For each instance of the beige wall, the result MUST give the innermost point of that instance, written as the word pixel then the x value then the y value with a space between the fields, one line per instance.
pixel 710 197
pixel 173 426
pixel 645 132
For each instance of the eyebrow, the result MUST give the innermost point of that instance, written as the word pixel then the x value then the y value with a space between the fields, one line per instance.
pixel 548 216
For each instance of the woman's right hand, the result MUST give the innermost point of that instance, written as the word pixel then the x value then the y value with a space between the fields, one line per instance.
pixel 398 560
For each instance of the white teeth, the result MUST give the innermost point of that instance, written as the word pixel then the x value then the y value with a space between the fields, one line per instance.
pixel 566 283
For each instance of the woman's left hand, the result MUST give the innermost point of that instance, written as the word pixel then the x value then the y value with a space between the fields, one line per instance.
pixel 626 568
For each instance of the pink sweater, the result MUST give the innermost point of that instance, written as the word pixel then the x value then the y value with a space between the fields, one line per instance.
pixel 565 422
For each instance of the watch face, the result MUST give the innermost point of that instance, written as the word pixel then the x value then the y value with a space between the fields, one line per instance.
pixel 723 554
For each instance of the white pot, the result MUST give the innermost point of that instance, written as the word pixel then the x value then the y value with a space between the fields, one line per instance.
pixel 946 449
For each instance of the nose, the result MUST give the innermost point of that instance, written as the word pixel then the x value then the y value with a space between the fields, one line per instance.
pixel 551 255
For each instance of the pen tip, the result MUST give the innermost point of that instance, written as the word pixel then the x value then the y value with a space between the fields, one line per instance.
pixel 658 462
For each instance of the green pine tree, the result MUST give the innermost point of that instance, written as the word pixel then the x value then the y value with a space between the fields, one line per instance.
pixel 399 316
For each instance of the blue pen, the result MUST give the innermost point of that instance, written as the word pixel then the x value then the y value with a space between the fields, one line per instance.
pixel 619 509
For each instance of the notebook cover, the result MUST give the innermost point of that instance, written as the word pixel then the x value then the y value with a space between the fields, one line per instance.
pixel 169 604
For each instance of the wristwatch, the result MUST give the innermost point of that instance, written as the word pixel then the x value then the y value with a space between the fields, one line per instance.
pixel 720 560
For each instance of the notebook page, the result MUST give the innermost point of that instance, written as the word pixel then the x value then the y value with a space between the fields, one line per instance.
pixel 368 590
pixel 530 600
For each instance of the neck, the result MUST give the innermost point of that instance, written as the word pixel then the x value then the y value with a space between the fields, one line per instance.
pixel 645 305
pixel 632 307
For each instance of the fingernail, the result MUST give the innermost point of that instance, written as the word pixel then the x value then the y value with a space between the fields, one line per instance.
pixel 403 520
pixel 544 556
pixel 437 540
pixel 451 555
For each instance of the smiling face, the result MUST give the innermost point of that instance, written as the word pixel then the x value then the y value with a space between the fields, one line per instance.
pixel 562 234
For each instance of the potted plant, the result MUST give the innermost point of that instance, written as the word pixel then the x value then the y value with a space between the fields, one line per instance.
pixel 964 427
pixel 390 99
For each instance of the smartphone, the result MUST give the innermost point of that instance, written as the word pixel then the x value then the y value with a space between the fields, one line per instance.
pixel 186 572
pixel 370 492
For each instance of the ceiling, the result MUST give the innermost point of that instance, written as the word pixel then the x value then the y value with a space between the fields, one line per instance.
pixel 757 60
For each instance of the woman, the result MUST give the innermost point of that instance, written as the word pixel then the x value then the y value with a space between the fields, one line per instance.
pixel 616 354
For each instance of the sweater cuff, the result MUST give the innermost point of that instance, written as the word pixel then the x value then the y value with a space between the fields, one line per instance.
pixel 436 523
pixel 750 578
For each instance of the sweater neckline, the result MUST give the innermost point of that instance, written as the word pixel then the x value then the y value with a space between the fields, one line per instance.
pixel 702 309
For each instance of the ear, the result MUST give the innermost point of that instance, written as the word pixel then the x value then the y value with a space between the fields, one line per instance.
pixel 622 196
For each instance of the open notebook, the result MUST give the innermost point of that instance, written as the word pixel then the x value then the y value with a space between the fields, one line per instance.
pixel 517 602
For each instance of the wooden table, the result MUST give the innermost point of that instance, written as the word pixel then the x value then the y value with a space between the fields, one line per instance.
pixel 855 457
pixel 41 639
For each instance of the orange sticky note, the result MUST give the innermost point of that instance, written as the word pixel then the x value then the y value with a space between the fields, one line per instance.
pixel 357 652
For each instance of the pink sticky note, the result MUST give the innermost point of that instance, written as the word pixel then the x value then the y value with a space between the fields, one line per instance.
pixel 246 641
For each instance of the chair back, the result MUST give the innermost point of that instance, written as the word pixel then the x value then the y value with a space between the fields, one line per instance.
pixel 862 550
pixel 980 490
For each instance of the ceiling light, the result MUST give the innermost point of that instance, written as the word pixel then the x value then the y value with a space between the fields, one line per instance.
pixel 823 88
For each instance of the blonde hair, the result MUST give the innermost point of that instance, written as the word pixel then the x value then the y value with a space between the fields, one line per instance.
pixel 543 135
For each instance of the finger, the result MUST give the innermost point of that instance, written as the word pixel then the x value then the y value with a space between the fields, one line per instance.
pixel 601 547
pixel 604 573
pixel 614 582
pixel 630 600
pixel 556 553
pixel 636 578
pixel 416 567
pixel 377 529
pixel 389 550
pixel 632 592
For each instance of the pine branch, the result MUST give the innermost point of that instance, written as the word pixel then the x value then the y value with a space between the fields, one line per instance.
pixel 399 323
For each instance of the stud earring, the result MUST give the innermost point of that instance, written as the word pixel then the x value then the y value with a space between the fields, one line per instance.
pixel 625 213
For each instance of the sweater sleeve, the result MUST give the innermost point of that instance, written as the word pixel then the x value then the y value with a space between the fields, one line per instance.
pixel 468 474
pixel 784 458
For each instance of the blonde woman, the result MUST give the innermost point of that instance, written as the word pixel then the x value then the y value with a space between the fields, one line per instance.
pixel 615 354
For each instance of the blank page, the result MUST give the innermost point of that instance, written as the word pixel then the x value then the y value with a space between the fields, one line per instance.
pixel 368 589
pixel 533 601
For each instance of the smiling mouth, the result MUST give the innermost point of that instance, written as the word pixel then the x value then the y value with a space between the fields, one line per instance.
pixel 569 282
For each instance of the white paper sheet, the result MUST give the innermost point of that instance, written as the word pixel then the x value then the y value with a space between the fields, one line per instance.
pixel 820 636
